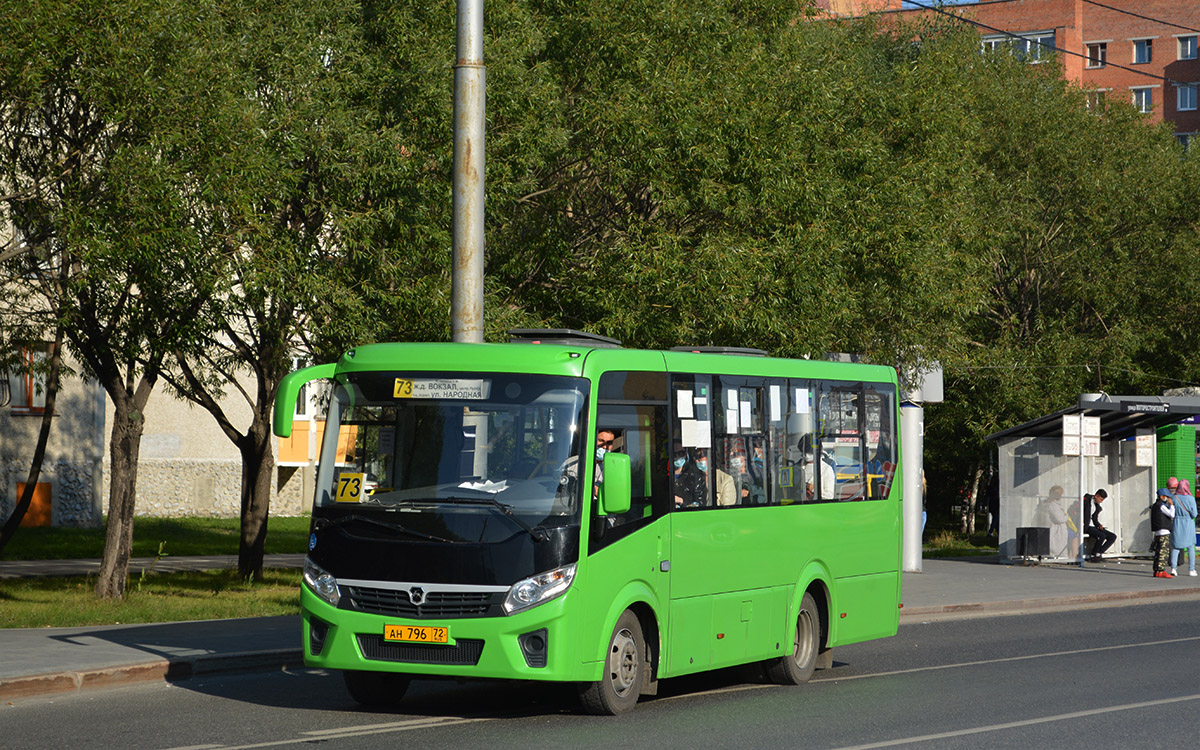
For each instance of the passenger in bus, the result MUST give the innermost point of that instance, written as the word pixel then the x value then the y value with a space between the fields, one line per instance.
pixel 691 478
pixel 758 464
pixel 828 482
pixel 749 491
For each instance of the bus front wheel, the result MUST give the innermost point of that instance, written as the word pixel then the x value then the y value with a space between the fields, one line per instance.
pixel 797 668
pixel 618 690
pixel 376 689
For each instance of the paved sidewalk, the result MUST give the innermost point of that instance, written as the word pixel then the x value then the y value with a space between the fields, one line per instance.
pixel 56 660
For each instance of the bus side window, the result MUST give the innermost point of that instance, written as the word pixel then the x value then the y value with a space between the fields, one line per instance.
pixel 796 469
pixel 841 441
pixel 632 406
pixel 740 454
pixel 881 440
pixel 693 407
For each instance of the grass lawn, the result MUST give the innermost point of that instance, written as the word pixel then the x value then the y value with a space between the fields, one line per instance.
pixel 154 597
pixel 954 544
pixel 182 536
pixel 158 597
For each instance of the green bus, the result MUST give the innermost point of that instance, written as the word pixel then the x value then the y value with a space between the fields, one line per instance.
pixel 562 508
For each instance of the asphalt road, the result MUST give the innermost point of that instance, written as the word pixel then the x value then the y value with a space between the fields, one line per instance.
pixel 1123 677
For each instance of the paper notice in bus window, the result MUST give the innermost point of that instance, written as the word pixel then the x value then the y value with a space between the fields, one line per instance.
pixel 731 421
pixel 745 415
pixel 687 433
pixel 731 398
pixel 774 398
pixel 802 401
pixel 387 441
pixel 683 404
pixel 703 433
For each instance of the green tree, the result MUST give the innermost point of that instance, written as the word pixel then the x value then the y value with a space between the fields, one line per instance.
pixel 109 142
pixel 1087 223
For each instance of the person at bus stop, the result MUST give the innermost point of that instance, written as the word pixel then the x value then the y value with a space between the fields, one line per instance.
pixel 1052 515
pixel 1161 513
pixel 1183 527
pixel 1092 526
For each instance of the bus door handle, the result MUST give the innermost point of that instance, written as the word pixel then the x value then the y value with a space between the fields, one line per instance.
pixel 664 566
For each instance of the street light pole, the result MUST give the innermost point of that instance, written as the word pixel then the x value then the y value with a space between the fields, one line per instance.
pixel 466 305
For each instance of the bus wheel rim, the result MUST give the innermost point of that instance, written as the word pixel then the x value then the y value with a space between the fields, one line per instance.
pixel 803 647
pixel 623 662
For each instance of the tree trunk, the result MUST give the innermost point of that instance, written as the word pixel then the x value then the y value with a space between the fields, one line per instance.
pixel 124 446
pixel 968 512
pixel 39 451
pixel 258 473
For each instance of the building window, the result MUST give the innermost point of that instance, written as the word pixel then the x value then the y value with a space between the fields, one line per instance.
pixel 27 381
pixel 1185 139
pixel 1096 100
pixel 1143 51
pixel 1185 98
pixel 1033 47
pixel 1143 99
pixel 1097 55
pixel 1187 48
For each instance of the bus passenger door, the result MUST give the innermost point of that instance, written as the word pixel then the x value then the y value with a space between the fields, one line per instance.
pixel 629 553
pixel 729 592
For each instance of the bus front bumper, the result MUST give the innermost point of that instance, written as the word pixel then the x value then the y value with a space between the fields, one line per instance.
pixel 530 645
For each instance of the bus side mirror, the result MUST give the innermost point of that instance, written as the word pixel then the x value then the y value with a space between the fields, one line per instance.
pixel 615 490
pixel 289 388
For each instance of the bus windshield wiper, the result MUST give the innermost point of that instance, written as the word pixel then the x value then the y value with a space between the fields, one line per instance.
pixel 389 525
pixel 538 533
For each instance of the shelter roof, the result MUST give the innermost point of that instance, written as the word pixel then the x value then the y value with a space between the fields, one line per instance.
pixel 1120 416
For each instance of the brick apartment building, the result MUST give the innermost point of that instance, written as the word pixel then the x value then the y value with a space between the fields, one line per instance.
pixel 1146 52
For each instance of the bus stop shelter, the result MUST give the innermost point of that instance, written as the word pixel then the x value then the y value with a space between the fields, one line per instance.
pixel 1032 461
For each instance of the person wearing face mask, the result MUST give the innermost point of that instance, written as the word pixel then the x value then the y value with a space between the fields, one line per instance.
pixel 748 489
pixel 604 444
pixel 691 479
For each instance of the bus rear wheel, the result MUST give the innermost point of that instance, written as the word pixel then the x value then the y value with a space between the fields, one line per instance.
pixel 618 690
pixel 376 689
pixel 797 668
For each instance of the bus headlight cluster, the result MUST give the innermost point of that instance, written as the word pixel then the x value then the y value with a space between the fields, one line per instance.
pixel 538 589
pixel 322 583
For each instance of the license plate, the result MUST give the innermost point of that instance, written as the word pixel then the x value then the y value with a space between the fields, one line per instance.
pixel 416 633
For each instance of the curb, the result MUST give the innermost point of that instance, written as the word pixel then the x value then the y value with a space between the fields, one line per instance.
pixel 1018 606
pixel 164 670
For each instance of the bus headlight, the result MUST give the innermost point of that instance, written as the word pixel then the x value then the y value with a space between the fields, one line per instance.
pixel 322 583
pixel 538 589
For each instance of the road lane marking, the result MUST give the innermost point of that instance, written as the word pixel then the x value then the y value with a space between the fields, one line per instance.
pixel 1027 657
pixel 347 732
pixel 409 724
pixel 1023 723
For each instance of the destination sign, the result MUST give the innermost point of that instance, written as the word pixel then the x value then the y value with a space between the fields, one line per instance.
pixel 442 388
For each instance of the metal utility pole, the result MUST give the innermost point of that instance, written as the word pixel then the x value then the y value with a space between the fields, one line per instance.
pixel 466 305
pixel 912 458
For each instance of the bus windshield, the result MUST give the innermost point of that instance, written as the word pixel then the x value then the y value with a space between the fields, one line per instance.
pixel 471 446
